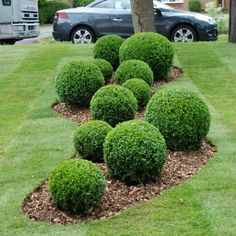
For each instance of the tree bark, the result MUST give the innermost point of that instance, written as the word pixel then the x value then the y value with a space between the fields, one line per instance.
pixel 143 16
pixel 232 21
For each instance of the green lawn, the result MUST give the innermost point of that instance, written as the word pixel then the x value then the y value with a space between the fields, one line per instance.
pixel 34 139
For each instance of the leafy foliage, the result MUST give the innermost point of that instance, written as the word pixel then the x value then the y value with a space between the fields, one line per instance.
pixel 107 48
pixel 134 69
pixel 152 48
pixel 81 3
pixel 216 12
pixel 140 89
pixel 77 185
pixel 105 67
pixel 182 117
pixel 77 81
pixel 135 152
pixel 47 10
pixel 89 138
pixel 113 104
pixel 194 5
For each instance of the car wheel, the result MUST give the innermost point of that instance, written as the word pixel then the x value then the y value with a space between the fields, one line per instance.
pixel 8 42
pixel 83 35
pixel 183 34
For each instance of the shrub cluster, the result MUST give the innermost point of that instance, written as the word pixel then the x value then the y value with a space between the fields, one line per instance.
pixel 47 10
pixel 113 104
pixel 182 117
pixel 152 48
pixel 194 5
pixel 140 89
pixel 89 138
pixel 135 152
pixel 77 185
pixel 105 67
pixel 77 81
pixel 81 3
pixel 134 69
pixel 107 48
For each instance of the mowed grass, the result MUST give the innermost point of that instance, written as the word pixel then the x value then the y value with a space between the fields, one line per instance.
pixel 34 139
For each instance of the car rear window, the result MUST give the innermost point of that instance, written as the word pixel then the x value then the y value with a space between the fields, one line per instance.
pixel 122 4
pixel 104 4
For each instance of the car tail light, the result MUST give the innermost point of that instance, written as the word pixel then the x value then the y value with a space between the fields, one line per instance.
pixel 61 15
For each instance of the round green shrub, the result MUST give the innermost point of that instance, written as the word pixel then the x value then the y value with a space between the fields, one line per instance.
pixel 107 48
pixel 113 104
pixel 152 48
pixel 135 152
pixel 134 69
pixel 140 89
pixel 77 185
pixel 77 81
pixel 105 67
pixel 182 117
pixel 194 5
pixel 89 139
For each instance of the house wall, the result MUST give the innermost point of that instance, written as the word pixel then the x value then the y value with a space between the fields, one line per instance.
pixel 184 5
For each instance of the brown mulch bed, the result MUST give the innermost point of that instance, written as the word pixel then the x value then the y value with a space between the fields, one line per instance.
pixel 81 114
pixel 179 166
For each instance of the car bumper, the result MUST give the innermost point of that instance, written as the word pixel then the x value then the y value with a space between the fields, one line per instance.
pixel 61 30
pixel 209 33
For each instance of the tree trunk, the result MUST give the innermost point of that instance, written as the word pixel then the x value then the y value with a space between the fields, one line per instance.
pixel 232 21
pixel 143 16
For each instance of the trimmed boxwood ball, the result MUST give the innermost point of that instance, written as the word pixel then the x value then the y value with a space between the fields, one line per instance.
pixel 89 138
pixel 135 152
pixel 113 104
pixel 107 48
pixel 77 185
pixel 140 89
pixel 77 81
pixel 134 69
pixel 105 67
pixel 182 117
pixel 152 48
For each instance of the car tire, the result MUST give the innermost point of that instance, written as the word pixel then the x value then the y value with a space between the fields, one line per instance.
pixel 82 35
pixel 183 33
pixel 8 42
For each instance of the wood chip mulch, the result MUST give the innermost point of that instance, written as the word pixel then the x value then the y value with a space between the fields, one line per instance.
pixel 38 205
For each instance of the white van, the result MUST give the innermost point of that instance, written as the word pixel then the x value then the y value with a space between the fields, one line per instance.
pixel 19 19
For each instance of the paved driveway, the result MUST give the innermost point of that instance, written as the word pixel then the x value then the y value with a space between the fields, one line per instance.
pixel 45 31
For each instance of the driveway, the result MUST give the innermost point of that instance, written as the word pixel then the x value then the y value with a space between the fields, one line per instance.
pixel 45 31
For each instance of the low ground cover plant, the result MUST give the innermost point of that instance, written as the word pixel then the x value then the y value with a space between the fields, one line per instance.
pixel 77 185
pixel 135 152
pixel 113 104
pixel 152 48
pixel 131 69
pixel 182 117
pixel 140 89
pixel 77 81
pixel 89 138
pixel 107 48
